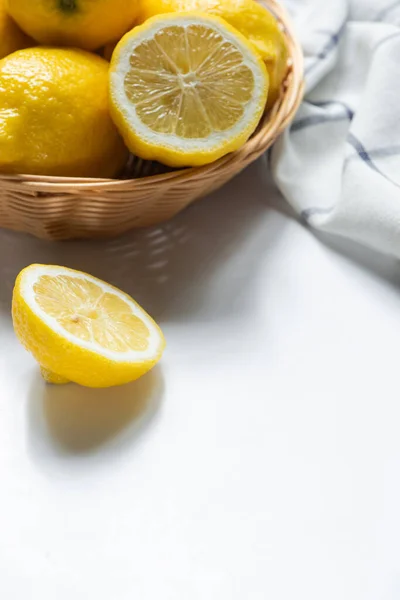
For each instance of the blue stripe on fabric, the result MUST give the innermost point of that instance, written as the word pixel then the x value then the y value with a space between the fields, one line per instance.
pixel 361 151
pixel 385 152
pixel 366 157
pixel 345 114
pixel 332 42
pixel 334 39
pixel 326 103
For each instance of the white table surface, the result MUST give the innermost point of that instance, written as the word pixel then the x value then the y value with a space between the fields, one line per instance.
pixel 260 461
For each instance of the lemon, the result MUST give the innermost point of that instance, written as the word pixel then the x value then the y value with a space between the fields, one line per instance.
pixel 186 89
pixel 11 37
pixel 255 22
pixel 54 115
pixel 82 329
pixel 86 24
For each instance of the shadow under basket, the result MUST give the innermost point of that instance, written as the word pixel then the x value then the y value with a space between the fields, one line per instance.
pixel 61 208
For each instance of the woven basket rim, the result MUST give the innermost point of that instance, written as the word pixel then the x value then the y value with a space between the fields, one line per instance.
pixel 269 128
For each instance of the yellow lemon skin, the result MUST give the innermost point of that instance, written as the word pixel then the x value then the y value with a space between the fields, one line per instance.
pixel 11 36
pixel 54 115
pixel 61 360
pixel 53 378
pixel 87 24
pixel 253 21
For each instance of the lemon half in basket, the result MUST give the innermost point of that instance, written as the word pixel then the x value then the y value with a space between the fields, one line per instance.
pixel 82 329
pixel 186 89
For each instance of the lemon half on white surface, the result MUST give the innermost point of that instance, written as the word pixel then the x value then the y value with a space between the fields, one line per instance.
pixel 82 329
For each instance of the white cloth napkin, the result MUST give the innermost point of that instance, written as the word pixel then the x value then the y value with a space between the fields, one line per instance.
pixel 339 163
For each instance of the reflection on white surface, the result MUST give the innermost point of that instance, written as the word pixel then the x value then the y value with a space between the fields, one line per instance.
pixel 260 461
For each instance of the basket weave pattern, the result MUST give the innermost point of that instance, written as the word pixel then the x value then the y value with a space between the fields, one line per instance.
pixel 62 208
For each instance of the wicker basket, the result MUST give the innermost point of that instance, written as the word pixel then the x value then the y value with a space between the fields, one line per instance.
pixel 58 208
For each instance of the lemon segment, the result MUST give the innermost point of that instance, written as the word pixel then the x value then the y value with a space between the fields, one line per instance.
pixel 82 329
pixel 186 89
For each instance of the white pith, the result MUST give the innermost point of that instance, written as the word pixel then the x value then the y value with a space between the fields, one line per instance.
pixel 31 276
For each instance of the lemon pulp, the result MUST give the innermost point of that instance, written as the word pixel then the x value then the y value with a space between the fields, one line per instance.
pixel 179 65
pixel 89 313
pixel 249 17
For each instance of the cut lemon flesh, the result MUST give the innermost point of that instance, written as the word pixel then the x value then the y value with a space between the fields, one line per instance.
pixel 250 17
pixel 186 89
pixel 82 329
pixel 91 314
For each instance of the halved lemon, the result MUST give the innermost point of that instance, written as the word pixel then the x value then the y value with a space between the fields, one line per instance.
pixel 186 89
pixel 82 329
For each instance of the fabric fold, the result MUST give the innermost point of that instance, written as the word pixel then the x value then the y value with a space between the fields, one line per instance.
pixel 338 164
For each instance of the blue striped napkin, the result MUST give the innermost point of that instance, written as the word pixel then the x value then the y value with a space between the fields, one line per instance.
pixel 339 163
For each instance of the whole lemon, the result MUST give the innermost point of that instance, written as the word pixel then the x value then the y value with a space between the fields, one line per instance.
pixel 253 21
pixel 11 37
pixel 54 117
pixel 86 24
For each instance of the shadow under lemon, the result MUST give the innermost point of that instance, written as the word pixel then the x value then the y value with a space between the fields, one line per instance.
pixel 169 269
pixel 71 419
